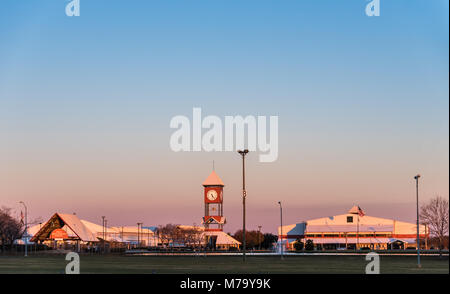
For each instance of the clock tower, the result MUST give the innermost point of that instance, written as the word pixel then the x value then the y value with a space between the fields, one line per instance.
pixel 213 199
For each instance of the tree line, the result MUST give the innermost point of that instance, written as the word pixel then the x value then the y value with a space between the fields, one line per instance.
pixel 172 235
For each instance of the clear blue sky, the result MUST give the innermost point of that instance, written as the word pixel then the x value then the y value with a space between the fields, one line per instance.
pixel 362 101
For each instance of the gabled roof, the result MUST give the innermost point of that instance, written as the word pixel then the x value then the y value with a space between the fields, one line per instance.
pixel 223 238
pixel 74 223
pixel 355 210
pixel 67 221
pixel 213 180
pixel 214 219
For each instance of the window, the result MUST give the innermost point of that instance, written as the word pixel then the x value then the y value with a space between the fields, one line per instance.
pixel 349 219
pixel 314 235
pixel 331 235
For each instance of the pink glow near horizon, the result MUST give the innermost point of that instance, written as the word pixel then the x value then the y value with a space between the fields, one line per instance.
pixel 168 190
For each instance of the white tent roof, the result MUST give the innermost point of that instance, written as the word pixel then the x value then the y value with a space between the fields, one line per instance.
pixel 70 223
pixel 222 238
pixel 74 223
pixel 94 228
pixel 34 229
pixel 132 230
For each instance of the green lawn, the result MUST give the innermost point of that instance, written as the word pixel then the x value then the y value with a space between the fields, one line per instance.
pixel 221 264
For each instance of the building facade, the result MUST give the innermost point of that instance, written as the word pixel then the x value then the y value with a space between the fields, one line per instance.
pixel 213 219
pixel 353 230
pixel 67 231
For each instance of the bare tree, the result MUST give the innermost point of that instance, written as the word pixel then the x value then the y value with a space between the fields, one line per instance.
pixel 254 238
pixel 192 236
pixel 167 234
pixel 11 229
pixel 434 214
pixel 176 235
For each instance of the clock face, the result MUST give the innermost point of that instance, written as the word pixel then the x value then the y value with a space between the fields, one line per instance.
pixel 211 195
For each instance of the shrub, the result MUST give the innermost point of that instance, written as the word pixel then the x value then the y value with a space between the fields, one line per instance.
pixel 298 245
pixel 309 245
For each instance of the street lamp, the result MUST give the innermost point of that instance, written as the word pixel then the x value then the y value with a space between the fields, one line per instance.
pixel 244 195
pixel 26 228
pixel 417 211
pixel 281 229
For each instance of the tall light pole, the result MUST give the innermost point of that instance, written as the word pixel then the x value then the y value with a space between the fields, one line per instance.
pixel 259 234
pixel 26 228
pixel 103 233
pixel 139 232
pixel 281 229
pixel 417 211
pixel 106 234
pixel 244 195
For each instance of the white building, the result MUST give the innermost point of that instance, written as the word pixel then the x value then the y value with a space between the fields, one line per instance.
pixel 353 230
pixel 63 230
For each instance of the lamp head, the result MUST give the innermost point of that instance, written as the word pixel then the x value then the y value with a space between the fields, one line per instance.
pixel 243 152
pixel 417 177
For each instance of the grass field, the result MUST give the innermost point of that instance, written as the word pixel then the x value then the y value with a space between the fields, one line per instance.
pixel 121 264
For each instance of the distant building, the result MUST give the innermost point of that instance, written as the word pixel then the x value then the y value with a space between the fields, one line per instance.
pixel 67 231
pixel 64 231
pixel 353 230
pixel 213 219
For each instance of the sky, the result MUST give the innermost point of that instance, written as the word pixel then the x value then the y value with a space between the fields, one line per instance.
pixel 86 102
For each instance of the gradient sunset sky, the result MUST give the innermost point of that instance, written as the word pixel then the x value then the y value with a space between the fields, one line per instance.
pixel 85 106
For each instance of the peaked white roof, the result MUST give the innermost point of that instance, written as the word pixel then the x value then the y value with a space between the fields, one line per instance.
pixel 71 224
pixel 222 238
pixel 213 180
pixel 94 228
pixel 74 223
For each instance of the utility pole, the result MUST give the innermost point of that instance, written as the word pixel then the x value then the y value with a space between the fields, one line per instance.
pixel 103 232
pixel 259 240
pixel 106 233
pixel 26 228
pixel 281 229
pixel 139 232
pixel 244 195
pixel 417 211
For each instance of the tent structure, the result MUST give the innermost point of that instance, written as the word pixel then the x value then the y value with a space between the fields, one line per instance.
pixel 70 223
pixel 222 239
pixel 131 235
pixel 85 232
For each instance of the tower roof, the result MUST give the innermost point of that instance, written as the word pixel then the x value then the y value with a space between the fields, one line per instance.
pixel 213 180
